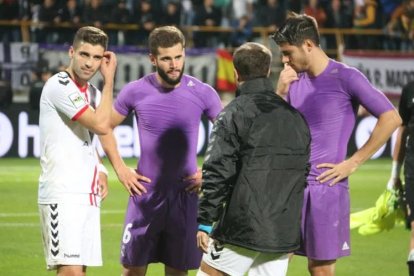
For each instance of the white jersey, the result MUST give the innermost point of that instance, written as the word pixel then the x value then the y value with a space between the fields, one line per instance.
pixel 68 159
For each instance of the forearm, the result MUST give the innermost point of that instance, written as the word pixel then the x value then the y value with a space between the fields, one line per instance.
pixel 103 111
pixel 387 123
pixel 109 145
pixel 399 148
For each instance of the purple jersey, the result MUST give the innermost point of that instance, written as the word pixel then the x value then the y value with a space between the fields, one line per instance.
pixel 161 225
pixel 329 103
pixel 168 124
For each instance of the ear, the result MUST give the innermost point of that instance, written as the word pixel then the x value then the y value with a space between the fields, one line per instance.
pixel 71 52
pixel 309 45
pixel 153 59
pixel 236 76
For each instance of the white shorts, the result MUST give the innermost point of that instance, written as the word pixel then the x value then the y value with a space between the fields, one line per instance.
pixel 235 260
pixel 71 234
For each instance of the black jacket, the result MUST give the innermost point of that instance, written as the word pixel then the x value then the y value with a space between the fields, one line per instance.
pixel 255 170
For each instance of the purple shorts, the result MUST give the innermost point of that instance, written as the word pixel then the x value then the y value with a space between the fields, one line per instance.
pixel 161 227
pixel 325 222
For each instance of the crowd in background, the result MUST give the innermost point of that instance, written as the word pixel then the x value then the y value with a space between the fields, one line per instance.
pixel 394 17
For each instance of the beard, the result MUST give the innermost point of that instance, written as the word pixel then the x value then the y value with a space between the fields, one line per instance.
pixel 169 80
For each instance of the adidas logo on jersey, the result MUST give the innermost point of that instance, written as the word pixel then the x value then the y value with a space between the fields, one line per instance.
pixel 190 84
pixel 345 246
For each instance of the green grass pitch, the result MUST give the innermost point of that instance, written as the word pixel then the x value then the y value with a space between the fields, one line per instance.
pixel 21 251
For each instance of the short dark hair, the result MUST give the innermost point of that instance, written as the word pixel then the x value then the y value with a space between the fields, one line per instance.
pixel 91 35
pixel 252 60
pixel 296 29
pixel 165 37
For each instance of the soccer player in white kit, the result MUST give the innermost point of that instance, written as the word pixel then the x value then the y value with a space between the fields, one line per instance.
pixel 72 181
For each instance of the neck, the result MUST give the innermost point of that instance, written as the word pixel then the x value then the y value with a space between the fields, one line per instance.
pixel 318 63
pixel 79 82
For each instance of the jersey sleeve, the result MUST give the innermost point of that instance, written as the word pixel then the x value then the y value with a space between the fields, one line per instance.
pixel 366 94
pixel 212 102
pixel 65 97
pixel 122 103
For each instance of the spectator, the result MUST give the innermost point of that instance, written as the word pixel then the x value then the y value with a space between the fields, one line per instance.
pixel 120 15
pixel 36 86
pixel 210 16
pixel 338 15
pixel 407 22
pixel 48 15
pixel 95 14
pixel 294 6
pixel 9 10
pixel 172 15
pixel 271 15
pixel 314 8
pixel 187 14
pixel 367 16
pixel 147 21
pixel 388 7
pixel 243 7
pixel 70 13
pixel 242 31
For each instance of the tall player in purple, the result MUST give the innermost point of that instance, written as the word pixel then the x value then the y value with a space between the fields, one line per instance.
pixel 328 94
pixel 161 219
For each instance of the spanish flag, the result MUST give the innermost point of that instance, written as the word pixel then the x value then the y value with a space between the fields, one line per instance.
pixel 225 73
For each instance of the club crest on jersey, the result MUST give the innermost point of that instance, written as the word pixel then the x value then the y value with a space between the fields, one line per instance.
pixel 77 100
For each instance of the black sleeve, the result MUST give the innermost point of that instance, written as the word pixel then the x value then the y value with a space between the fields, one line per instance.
pixel 219 168
pixel 405 105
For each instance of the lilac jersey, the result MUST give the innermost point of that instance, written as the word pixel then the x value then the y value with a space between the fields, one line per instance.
pixel 168 123
pixel 329 103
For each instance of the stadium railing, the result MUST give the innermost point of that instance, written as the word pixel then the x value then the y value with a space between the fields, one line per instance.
pixel 261 32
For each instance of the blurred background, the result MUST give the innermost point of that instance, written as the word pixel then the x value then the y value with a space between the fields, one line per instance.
pixel 376 36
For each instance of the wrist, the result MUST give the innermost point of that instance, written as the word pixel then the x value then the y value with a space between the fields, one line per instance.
pixel 102 169
pixel 395 169
pixel 205 228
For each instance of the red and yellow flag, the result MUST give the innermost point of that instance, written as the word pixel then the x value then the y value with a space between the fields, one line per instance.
pixel 225 74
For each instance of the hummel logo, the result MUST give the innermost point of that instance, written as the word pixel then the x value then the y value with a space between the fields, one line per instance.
pixel 71 255
pixel 214 257
pixel 345 246
pixel 217 248
pixel 63 78
pixel 190 83
pixel 63 82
